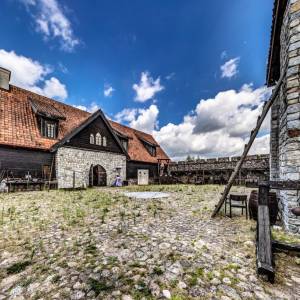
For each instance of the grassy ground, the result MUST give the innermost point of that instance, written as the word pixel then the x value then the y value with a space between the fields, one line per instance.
pixel 99 243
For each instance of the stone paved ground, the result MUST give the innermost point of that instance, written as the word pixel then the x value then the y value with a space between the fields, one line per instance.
pixel 101 244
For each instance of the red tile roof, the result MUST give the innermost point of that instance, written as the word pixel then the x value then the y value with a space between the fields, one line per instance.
pixel 19 128
pixel 136 149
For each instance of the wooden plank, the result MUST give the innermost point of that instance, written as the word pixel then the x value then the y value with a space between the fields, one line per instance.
pixel 280 246
pixel 247 147
pixel 264 255
pixel 285 185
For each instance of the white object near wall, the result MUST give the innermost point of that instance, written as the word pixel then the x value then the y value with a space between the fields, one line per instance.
pixel 143 177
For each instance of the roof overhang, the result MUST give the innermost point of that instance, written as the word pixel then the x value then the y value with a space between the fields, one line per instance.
pixel 273 69
pixel 45 110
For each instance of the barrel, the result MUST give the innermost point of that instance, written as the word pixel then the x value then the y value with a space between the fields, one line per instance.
pixel 273 206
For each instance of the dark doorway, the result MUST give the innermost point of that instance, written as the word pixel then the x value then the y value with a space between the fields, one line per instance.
pixel 97 176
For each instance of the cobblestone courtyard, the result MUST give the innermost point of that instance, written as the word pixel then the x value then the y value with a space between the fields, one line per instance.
pixel 101 244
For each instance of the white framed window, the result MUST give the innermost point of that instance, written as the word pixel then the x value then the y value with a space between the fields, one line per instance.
pixel 92 139
pixel 98 139
pixel 104 142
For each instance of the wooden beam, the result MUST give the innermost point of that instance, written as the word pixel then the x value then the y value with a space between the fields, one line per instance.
pixel 264 255
pixel 247 147
pixel 280 246
pixel 285 185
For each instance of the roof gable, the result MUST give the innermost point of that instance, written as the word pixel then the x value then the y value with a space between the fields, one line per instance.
pixel 92 118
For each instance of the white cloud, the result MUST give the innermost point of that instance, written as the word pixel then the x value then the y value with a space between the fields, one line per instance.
pixel 30 74
pixel 146 119
pixel 52 22
pixel 223 54
pixel 147 88
pixel 230 68
pixel 218 127
pixel 82 107
pixel 170 76
pixel 54 88
pixel 126 115
pixel 108 90
pixel 141 119
pixel 63 68
pixel 93 107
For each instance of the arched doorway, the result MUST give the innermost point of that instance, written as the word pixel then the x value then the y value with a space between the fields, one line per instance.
pixel 98 176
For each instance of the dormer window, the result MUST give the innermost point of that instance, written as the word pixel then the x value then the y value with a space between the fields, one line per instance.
pixel 49 128
pixel 151 149
pixel 98 139
pixel 48 117
pixel 92 139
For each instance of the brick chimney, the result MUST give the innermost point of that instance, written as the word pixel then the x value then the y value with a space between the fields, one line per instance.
pixel 4 78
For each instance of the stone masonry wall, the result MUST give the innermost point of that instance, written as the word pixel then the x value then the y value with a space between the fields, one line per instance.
pixel 69 160
pixel 285 148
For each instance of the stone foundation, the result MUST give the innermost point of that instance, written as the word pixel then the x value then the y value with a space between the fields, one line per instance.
pixel 70 160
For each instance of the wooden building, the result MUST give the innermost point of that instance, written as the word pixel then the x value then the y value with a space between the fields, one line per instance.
pixel 44 140
pixel 218 170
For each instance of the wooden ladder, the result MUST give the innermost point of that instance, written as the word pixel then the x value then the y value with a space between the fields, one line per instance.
pixel 253 135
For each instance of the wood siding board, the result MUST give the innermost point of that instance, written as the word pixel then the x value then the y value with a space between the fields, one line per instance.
pixel 21 161
pixel 134 166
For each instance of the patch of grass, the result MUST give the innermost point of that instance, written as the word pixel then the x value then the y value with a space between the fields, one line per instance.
pixel 135 264
pixel 158 271
pixel 142 290
pixel 26 282
pixel 178 297
pixel 98 286
pixel 232 266
pixel 18 267
pixel 91 249
pixel 112 260
pixel 56 278
pixel 285 237
pixel 193 279
pixel 172 256
pixel 209 275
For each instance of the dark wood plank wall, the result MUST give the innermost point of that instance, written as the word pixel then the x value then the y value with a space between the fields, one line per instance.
pixel 82 139
pixel 20 161
pixel 134 166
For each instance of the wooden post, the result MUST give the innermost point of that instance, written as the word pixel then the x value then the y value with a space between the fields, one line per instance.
pixel 263 193
pixel 73 180
pixel 264 255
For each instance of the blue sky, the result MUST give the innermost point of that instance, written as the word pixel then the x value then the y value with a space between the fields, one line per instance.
pixel 190 72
